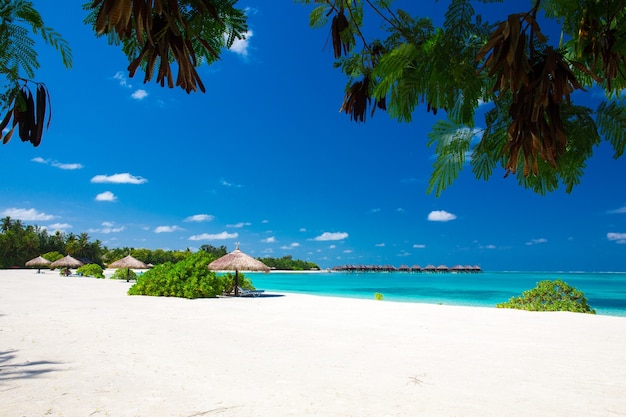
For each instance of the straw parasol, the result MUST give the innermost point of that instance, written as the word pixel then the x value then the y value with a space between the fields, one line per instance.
pixel 128 262
pixel 38 262
pixel 67 262
pixel 237 261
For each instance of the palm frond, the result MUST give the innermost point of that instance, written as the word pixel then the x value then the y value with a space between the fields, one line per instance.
pixel 611 119
pixel 452 143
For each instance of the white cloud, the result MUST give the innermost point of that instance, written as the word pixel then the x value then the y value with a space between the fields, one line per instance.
pixel 302 229
pixel 375 210
pixel 380 245
pixel 107 228
pixel 347 251
pixel 440 216
pixel 620 210
pixel 106 196
pixel 200 218
pixel 239 225
pixel 536 241
pixel 332 246
pixel 167 229
pixel 419 246
pixel 619 238
pixel 240 46
pixel 124 178
pixel 68 167
pixel 214 236
pixel 228 184
pixel 27 214
pixel 331 236
pixel 270 239
pixel 139 94
pixel 291 246
pixel 56 164
pixel 121 77
pixel 61 227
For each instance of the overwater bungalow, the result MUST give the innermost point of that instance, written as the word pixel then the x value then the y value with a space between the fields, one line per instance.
pixel 406 268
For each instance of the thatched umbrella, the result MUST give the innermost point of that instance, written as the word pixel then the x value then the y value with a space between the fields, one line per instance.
pixel 67 262
pixel 38 262
pixel 238 261
pixel 128 262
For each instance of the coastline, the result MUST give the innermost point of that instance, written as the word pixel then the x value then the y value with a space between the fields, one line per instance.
pixel 80 346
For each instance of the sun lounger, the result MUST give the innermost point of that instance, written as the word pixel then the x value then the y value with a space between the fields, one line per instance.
pixel 249 293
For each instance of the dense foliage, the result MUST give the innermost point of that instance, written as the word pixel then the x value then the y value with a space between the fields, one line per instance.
pixel 531 128
pixel 24 100
pixel 90 270
pixel 287 263
pixel 124 273
pixel 229 282
pixel 19 243
pixel 525 80
pixel 189 278
pixel 214 251
pixel 550 295
pixel 155 35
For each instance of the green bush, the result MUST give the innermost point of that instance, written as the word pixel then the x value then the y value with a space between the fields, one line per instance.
pixel 52 256
pixel 124 273
pixel 550 295
pixel 229 282
pixel 378 296
pixel 189 278
pixel 90 270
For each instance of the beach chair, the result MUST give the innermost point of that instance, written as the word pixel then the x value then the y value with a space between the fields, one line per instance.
pixel 249 293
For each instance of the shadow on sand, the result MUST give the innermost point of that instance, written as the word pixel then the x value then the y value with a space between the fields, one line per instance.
pixel 13 371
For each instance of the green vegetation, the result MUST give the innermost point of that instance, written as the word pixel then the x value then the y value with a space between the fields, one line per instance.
pixel 20 243
pixel 532 128
pixel 189 278
pixel 124 273
pixel 378 296
pixel 229 283
pixel 522 80
pixel 287 263
pixel 550 295
pixel 90 270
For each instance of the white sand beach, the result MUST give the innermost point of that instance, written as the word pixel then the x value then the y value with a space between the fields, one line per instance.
pixel 82 347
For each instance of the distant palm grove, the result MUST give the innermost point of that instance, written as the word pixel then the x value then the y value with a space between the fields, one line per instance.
pixel 20 243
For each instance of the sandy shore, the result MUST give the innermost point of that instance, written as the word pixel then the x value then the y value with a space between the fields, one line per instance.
pixel 82 347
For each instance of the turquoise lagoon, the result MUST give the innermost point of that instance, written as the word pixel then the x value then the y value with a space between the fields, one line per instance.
pixel 606 292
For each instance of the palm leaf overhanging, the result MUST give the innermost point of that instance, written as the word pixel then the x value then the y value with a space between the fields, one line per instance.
pixel 533 130
pixel 156 33
pixel 18 63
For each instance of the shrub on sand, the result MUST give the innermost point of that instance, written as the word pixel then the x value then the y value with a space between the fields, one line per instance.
pixel 229 282
pixel 124 273
pixel 90 270
pixel 378 296
pixel 189 278
pixel 550 295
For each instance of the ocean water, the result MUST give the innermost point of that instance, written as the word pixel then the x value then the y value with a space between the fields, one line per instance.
pixel 605 292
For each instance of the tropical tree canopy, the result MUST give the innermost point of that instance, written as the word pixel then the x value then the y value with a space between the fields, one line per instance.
pixel 528 82
pixel 532 128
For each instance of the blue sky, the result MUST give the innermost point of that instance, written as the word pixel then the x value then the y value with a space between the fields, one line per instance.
pixel 264 158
